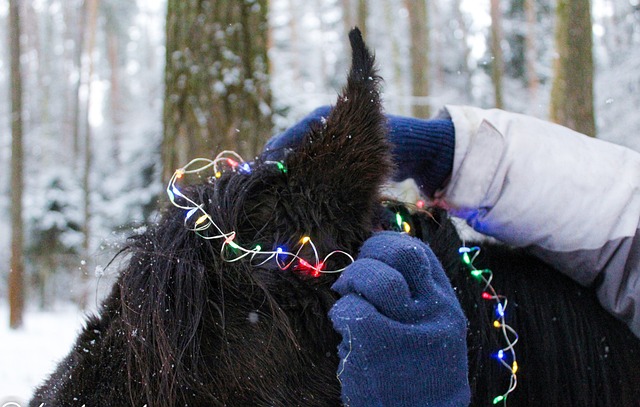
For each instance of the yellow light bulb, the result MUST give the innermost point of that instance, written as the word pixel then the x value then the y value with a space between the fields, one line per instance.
pixel 496 324
pixel 305 240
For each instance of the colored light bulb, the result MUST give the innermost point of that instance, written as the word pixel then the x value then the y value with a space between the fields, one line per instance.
pixel 304 264
pixel 230 241
pixel 245 168
pixel 316 270
pixel 399 220
pixel 281 167
pixel 176 191
pixel 191 212
pixel 498 399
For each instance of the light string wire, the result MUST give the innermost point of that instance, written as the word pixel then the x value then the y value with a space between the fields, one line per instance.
pixel 468 255
pixel 231 161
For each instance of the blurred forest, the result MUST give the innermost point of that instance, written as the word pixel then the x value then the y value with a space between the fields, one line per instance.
pixel 113 95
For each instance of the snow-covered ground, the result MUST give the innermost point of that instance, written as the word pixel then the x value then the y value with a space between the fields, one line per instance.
pixel 29 354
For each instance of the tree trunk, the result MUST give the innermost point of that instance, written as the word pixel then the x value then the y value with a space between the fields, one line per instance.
pixel 92 21
pixel 531 51
pixel 323 80
pixel 572 89
pixel 438 25
pixel 497 64
pixel 16 271
pixel 355 14
pixel 294 42
pixel 115 99
pixel 466 49
pixel 217 94
pixel 419 32
pixel 363 14
pixel 400 103
pixel 79 48
pixel 347 16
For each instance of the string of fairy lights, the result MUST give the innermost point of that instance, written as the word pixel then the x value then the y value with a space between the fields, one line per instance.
pixel 205 227
pixel 231 161
pixel 506 355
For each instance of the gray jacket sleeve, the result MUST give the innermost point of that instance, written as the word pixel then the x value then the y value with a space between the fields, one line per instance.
pixel 571 200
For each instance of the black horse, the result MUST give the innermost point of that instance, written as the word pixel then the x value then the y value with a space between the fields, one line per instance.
pixel 184 326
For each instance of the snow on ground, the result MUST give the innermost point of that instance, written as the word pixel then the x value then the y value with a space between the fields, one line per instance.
pixel 29 354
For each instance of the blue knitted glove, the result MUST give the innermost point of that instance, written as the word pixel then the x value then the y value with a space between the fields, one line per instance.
pixel 403 330
pixel 422 149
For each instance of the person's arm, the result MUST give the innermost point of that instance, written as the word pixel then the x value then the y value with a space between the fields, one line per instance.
pixel 572 200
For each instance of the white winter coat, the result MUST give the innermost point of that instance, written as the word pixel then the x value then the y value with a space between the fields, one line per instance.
pixel 571 200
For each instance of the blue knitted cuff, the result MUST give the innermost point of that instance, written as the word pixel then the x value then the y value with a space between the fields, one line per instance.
pixel 423 150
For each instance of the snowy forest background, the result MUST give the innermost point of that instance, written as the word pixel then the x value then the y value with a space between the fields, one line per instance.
pixel 98 127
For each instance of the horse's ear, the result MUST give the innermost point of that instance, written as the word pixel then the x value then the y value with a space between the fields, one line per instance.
pixel 347 157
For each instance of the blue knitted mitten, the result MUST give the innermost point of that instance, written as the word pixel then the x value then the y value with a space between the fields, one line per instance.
pixel 403 330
